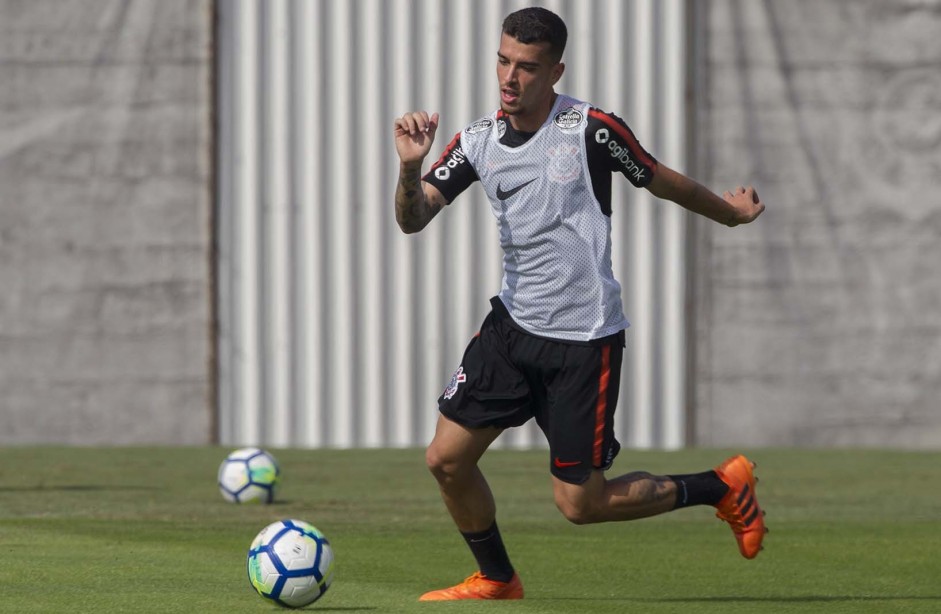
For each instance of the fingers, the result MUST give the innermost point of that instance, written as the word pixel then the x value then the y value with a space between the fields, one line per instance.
pixel 752 195
pixel 748 193
pixel 416 122
pixel 753 201
pixel 746 203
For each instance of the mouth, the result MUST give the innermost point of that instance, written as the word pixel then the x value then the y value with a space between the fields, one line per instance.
pixel 508 96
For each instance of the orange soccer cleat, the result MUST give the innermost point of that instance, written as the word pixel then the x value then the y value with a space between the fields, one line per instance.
pixel 739 507
pixel 478 586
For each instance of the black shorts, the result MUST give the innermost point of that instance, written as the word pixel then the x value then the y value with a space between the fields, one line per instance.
pixel 508 376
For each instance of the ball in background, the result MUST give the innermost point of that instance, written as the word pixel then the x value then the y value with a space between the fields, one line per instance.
pixel 291 563
pixel 249 475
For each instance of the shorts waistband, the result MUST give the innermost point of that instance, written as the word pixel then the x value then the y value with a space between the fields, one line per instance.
pixel 502 314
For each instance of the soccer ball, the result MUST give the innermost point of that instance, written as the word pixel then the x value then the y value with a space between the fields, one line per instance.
pixel 291 563
pixel 247 475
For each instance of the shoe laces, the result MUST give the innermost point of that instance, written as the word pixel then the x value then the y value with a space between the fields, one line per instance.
pixel 472 579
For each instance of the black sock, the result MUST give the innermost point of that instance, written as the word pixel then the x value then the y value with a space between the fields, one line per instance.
pixel 490 553
pixel 698 489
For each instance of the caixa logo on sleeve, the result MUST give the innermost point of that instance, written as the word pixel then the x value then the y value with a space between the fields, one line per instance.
pixel 569 118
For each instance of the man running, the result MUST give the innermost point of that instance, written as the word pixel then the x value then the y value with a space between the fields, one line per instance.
pixel 552 345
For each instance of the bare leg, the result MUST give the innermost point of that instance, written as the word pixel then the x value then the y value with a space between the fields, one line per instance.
pixel 628 497
pixel 452 458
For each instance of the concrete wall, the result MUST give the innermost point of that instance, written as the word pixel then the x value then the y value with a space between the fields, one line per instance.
pixel 821 324
pixel 105 307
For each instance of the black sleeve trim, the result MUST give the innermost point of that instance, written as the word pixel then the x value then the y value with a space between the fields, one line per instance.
pixel 452 173
pixel 612 143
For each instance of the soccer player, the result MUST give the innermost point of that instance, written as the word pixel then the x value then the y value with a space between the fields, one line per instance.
pixel 552 344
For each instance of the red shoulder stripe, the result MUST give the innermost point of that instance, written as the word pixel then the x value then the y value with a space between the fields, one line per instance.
pixel 447 150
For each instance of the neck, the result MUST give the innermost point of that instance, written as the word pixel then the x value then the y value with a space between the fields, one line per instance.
pixel 531 122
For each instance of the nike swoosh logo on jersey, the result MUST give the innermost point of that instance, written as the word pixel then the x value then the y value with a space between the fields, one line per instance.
pixel 504 195
pixel 562 464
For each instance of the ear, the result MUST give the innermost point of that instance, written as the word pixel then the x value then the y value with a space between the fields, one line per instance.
pixel 556 72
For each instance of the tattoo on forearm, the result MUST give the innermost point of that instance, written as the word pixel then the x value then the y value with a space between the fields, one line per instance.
pixel 411 210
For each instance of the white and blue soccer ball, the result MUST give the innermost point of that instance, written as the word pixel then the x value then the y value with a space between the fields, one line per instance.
pixel 291 563
pixel 249 475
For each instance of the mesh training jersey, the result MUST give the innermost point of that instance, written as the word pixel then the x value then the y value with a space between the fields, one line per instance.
pixel 550 192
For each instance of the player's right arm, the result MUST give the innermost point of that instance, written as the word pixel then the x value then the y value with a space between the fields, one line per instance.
pixel 416 202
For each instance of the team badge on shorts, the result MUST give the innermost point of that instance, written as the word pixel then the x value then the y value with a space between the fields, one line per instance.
pixel 457 379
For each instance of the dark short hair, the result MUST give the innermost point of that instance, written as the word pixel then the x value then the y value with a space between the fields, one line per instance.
pixel 538 25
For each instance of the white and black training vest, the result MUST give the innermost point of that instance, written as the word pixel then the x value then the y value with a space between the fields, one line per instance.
pixel 554 230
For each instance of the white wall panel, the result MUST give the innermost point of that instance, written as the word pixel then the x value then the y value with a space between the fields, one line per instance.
pixel 337 330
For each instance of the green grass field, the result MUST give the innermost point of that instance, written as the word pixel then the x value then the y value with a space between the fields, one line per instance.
pixel 145 530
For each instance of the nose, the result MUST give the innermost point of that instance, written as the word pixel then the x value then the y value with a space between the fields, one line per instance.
pixel 508 74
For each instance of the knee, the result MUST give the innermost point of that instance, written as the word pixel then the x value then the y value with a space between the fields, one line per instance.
pixel 577 510
pixel 442 465
pixel 435 461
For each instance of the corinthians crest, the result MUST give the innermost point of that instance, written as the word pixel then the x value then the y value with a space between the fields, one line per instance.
pixel 565 163
pixel 457 379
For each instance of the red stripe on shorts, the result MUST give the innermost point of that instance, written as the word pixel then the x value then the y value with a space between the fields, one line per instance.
pixel 601 408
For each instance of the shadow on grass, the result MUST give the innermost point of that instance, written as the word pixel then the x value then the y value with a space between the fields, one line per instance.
pixel 72 488
pixel 746 599
pixel 352 608
pixel 800 599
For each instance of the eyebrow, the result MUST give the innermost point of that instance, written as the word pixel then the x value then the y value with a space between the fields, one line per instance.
pixel 524 64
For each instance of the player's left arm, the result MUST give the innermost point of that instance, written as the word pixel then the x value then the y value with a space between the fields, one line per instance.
pixel 740 206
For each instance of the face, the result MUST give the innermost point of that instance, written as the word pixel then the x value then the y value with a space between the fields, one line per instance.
pixel 526 75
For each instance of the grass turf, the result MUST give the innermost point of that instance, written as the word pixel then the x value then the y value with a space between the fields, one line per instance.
pixel 145 530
